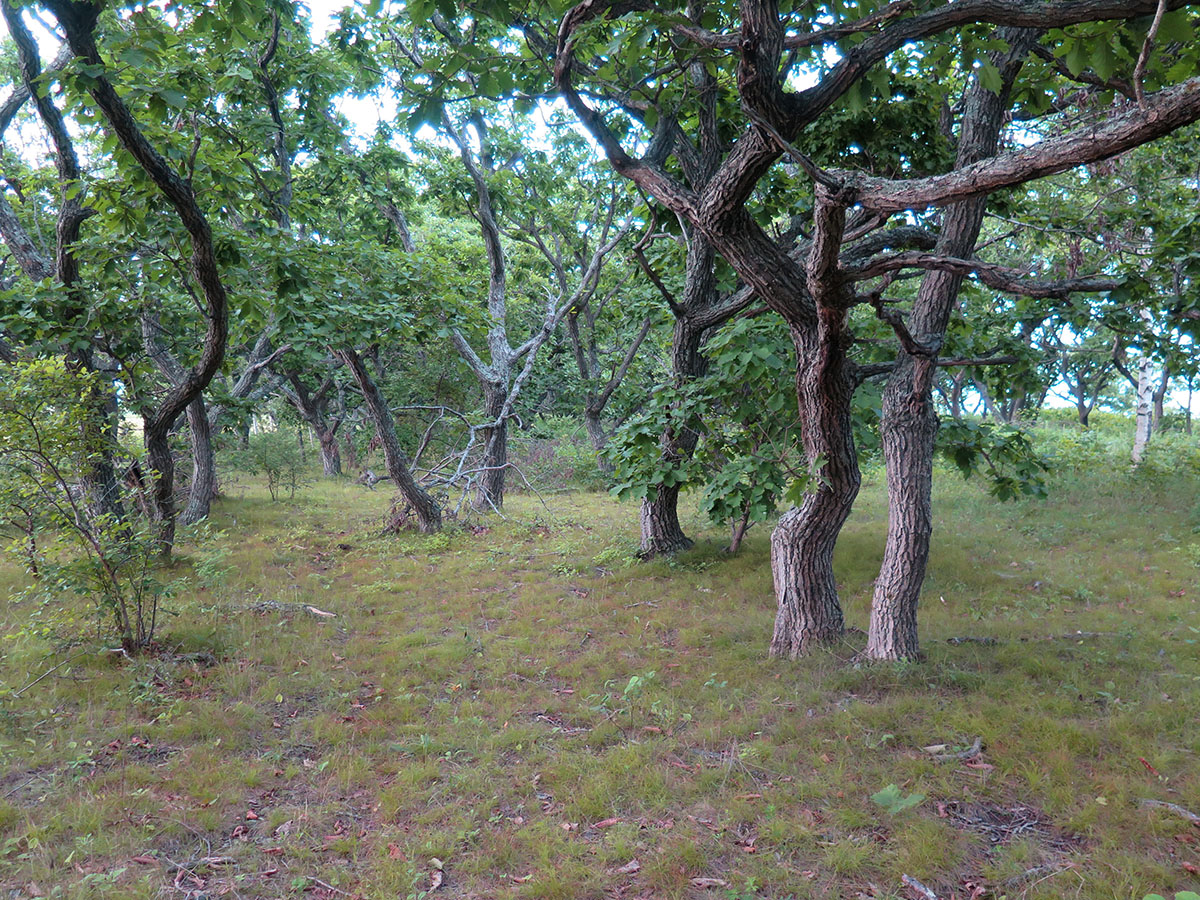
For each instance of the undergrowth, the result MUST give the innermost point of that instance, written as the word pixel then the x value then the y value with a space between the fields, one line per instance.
pixel 520 710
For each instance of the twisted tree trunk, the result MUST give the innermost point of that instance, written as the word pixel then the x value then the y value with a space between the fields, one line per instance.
pixel 809 612
pixel 204 465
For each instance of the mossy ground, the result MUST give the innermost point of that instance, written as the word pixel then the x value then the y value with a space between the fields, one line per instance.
pixel 517 709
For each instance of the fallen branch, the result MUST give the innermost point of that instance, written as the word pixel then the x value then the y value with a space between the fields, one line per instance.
pixel 915 885
pixel 1172 807
pixel 19 691
pixel 970 753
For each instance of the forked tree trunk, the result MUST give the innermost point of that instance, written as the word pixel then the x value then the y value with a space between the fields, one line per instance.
pixel 802 543
pixel 204 465
pixel 489 492
pixel 424 507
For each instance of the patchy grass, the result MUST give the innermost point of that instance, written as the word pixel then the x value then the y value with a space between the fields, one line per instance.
pixel 520 711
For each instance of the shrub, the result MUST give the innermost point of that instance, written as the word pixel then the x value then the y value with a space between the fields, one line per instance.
pixel 276 455
pixel 49 442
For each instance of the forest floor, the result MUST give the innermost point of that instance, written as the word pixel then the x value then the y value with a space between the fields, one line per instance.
pixel 519 709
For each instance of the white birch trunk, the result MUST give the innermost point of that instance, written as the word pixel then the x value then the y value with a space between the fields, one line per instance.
pixel 1145 410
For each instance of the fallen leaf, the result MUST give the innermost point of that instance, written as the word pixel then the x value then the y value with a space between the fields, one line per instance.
pixel 748 797
pixel 709 883
pixel 251 815
pixel 393 851
pixel 144 860
pixel 569 826
pixel 630 867
pixel 607 823
pixel 273 851
pixel 1190 868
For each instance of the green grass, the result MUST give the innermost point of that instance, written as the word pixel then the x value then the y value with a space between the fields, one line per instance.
pixel 472 703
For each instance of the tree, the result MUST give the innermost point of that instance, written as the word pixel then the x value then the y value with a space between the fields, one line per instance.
pixel 604 45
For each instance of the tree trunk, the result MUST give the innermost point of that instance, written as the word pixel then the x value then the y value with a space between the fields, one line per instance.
pixel 101 486
pixel 350 450
pixel 909 422
pixel 429 516
pixel 157 436
pixel 489 491
pixel 598 436
pixel 802 543
pixel 1160 396
pixel 661 532
pixel 204 465
pixel 1141 434
pixel 908 428
pixel 331 457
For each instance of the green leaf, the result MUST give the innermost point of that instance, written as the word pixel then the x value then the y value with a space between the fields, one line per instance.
pixel 989 78
pixel 893 800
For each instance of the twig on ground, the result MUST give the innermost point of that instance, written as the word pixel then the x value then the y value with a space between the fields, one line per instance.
pixel 974 750
pixel 1172 807
pixel 48 673
pixel 327 886
pixel 915 885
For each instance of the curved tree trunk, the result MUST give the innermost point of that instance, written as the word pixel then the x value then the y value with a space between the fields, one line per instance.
pixel 909 421
pixel 204 465
pixel 809 612
pixel 425 508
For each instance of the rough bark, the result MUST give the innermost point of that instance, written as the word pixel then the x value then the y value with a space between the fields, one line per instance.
pixel 204 465
pixel 424 507
pixel 909 421
pixel 489 492
pixel 78 21
pixel 808 611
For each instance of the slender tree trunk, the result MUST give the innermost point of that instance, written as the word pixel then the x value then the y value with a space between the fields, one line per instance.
pixel 204 465
pixel 802 543
pixel 1160 396
pixel 101 486
pixel 489 492
pixel 909 422
pixel 349 449
pixel 908 428
pixel 1145 408
pixel 429 516
pixel 157 436
pixel 661 531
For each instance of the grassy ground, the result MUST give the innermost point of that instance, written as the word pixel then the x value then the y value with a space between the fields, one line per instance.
pixel 519 710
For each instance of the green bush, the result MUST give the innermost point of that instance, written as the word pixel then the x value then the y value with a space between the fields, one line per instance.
pixel 50 440
pixel 276 455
